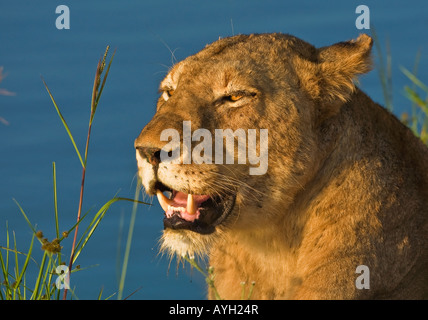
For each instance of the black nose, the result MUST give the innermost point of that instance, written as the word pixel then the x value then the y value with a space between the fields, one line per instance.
pixel 151 154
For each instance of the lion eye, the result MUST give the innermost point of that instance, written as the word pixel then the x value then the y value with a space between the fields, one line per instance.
pixel 167 94
pixel 235 97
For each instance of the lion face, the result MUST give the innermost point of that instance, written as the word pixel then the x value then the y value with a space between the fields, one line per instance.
pixel 234 137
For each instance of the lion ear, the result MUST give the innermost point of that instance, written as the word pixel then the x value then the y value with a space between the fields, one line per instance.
pixel 340 64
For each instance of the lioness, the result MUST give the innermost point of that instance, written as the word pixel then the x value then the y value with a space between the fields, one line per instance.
pixel 346 183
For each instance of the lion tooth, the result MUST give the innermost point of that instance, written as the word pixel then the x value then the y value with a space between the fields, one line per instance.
pixel 163 200
pixel 191 205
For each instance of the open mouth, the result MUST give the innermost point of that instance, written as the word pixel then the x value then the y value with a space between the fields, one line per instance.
pixel 198 213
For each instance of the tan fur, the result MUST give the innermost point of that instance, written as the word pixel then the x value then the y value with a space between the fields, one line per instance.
pixel 347 183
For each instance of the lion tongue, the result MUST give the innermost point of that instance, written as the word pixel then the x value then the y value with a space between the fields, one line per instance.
pixel 186 204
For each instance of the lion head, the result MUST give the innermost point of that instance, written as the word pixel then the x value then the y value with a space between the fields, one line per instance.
pixel 235 134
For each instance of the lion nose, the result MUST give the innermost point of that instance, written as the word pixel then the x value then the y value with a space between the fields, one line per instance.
pixel 152 155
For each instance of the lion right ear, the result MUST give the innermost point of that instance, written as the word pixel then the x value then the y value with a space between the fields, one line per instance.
pixel 340 64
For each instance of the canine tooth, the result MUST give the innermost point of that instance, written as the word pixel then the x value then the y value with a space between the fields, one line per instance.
pixel 164 201
pixel 191 205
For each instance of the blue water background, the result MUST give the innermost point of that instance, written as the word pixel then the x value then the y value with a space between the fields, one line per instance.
pixel 146 34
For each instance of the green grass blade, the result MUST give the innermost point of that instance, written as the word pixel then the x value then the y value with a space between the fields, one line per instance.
pixel 3 269
pixel 100 294
pixel 76 224
pixel 24 267
pixel 118 248
pixel 25 288
pixel 45 281
pixel 88 232
pixel 95 222
pixel 414 79
pixel 16 266
pixel 253 283
pixel 209 275
pixel 5 266
pixel 128 243
pixel 25 216
pixel 110 296
pixel 414 122
pixel 19 252
pixel 1 294
pixel 415 98
pixel 65 124
pixel 55 200
pixel 39 278
pixel 7 246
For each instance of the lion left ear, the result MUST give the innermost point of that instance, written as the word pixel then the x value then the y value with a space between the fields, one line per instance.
pixel 340 64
